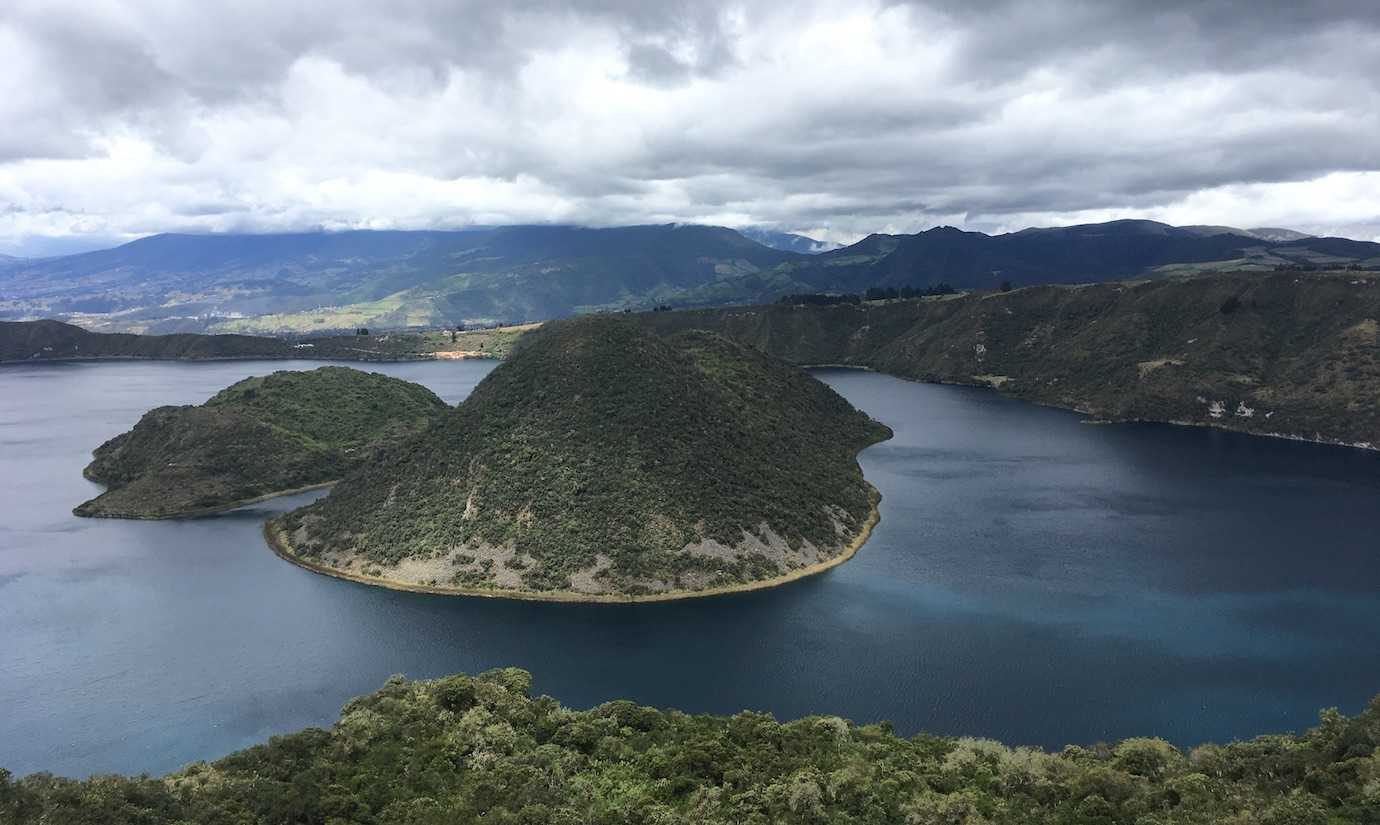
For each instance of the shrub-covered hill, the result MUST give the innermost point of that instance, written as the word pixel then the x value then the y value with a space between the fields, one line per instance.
pixel 463 749
pixel 1279 353
pixel 601 460
pixel 261 436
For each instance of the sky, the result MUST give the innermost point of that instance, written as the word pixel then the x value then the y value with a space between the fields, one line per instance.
pixel 128 118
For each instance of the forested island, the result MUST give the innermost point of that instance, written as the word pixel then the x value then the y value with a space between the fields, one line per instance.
pixel 483 749
pixel 602 462
pixel 260 437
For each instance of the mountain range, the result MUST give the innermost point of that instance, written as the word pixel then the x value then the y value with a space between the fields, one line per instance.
pixel 309 282
pixel 787 241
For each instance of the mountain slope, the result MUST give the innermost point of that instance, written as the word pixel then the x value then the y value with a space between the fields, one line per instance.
pixel 258 437
pixel 602 460
pixel 317 282
pixel 787 241
pixel 1076 254
pixel 1285 353
pixel 326 281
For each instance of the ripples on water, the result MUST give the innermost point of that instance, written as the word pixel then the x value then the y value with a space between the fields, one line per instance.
pixel 1033 579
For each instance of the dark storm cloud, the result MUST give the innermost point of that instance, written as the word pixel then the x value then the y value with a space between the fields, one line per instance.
pixel 837 117
pixel 1166 36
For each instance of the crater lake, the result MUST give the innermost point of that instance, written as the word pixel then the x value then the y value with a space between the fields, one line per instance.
pixel 1034 579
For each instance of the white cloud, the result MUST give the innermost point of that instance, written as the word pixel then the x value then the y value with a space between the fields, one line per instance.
pixel 833 118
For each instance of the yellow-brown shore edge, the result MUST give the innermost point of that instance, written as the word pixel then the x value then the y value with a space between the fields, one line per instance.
pixel 202 512
pixel 280 546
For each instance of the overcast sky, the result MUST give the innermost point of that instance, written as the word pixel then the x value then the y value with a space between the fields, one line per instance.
pixel 123 119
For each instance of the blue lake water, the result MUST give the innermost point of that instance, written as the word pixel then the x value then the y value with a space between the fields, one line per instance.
pixel 1033 579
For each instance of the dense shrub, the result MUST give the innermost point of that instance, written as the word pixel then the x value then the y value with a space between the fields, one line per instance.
pixel 462 749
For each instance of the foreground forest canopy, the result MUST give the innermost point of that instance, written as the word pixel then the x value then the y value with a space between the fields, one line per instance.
pixel 481 749
pixel 601 459
pixel 258 437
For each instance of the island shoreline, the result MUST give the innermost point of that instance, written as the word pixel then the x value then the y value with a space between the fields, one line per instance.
pixel 205 512
pixel 282 548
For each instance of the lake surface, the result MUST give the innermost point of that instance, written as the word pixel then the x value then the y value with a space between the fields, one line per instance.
pixel 1033 579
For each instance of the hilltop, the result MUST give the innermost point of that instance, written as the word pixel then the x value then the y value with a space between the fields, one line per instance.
pixel 1273 353
pixel 483 749
pixel 259 437
pixel 603 462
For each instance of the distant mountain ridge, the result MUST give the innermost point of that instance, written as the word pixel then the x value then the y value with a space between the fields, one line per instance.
pixel 318 282
pixel 787 241
pixel 1087 253
pixel 1261 233
pixel 195 283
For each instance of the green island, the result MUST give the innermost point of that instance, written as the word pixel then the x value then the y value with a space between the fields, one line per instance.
pixel 260 437
pixel 483 749
pixel 601 462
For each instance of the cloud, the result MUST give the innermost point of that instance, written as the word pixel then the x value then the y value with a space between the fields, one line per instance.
pixel 125 118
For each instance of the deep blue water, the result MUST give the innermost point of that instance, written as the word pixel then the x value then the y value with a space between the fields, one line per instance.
pixel 1033 579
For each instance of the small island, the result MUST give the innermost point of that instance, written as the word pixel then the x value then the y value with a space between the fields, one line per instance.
pixel 258 438
pixel 602 462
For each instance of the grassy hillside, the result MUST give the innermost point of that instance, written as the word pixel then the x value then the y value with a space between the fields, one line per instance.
pixel 1282 353
pixel 29 341
pixel 463 749
pixel 260 436
pixel 320 282
pixel 602 459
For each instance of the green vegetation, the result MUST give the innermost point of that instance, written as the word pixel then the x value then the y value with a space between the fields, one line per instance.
pixel 462 749
pixel 602 459
pixel 258 437
pixel 29 341
pixel 55 341
pixel 322 282
pixel 1280 353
